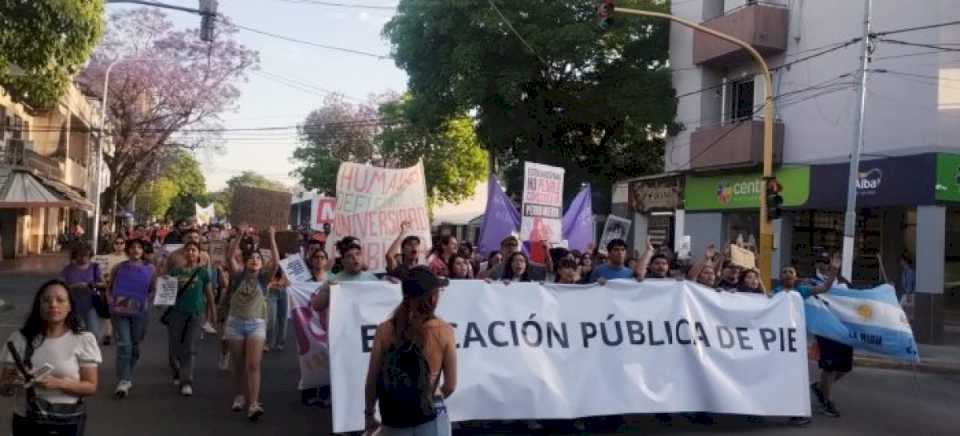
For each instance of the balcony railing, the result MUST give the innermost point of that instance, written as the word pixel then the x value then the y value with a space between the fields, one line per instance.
pixel 20 153
pixel 738 144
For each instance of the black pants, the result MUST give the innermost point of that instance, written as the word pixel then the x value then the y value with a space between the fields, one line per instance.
pixel 24 427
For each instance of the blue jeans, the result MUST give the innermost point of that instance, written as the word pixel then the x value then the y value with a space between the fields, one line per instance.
pixel 277 319
pixel 92 321
pixel 129 332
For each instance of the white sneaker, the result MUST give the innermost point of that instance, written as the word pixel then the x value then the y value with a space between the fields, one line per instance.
pixel 186 391
pixel 209 328
pixel 224 364
pixel 123 389
pixel 238 403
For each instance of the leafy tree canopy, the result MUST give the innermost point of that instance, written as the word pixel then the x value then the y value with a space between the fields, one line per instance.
pixel 594 101
pixel 43 43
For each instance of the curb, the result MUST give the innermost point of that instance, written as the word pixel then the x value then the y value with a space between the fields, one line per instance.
pixel 946 368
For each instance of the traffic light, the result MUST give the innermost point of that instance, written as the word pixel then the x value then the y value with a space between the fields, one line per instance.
pixel 774 199
pixel 605 13
pixel 208 19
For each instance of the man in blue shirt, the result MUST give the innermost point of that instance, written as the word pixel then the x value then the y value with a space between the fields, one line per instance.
pixel 615 268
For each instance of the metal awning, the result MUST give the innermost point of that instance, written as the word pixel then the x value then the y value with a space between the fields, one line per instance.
pixel 23 189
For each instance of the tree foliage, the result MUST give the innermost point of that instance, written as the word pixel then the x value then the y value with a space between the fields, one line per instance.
pixel 43 44
pixel 167 81
pixel 156 197
pixel 178 186
pixel 380 133
pixel 594 101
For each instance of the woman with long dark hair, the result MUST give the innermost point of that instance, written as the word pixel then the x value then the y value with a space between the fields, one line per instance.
pixel 53 334
pixel 129 293
pixel 246 325
pixel 517 268
pixel 411 400
pixel 459 267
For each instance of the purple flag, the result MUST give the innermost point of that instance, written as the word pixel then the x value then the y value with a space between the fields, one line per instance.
pixel 578 221
pixel 501 219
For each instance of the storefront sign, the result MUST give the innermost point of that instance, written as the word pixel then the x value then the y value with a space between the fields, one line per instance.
pixel 948 177
pixel 894 181
pixel 660 194
pixel 743 191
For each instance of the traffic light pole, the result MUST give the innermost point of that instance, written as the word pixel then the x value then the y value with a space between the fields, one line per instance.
pixel 766 225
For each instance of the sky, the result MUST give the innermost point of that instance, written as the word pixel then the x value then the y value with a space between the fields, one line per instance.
pixel 293 78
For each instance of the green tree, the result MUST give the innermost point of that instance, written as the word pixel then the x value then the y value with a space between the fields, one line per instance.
pixel 156 197
pixel 43 43
pixel 596 102
pixel 380 133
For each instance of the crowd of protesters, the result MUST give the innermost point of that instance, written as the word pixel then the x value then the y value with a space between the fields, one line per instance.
pixel 242 299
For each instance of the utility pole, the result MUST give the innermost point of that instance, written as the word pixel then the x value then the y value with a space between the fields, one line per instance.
pixel 850 218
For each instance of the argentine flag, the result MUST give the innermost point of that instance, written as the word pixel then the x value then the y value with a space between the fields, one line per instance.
pixel 869 319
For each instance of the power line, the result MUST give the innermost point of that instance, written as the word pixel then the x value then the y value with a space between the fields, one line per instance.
pixel 342 5
pixel 512 29
pixel 913 29
pixel 918 44
pixel 310 43
pixel 922 76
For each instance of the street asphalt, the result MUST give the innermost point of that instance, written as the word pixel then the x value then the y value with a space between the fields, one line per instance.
pixel 871 401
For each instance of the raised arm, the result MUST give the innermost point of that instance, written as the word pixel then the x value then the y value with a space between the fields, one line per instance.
pixel 391 256
pixel 644 262
pixel 708 256
pixel 231 256
pixel 275 262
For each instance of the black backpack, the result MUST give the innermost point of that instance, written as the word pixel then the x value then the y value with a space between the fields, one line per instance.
pixel 404 388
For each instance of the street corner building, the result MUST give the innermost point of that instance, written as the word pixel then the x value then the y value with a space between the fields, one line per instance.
pixel 908 180
pixel 46 172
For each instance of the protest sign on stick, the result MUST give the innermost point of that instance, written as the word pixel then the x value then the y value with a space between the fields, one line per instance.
pixel 295 268
pixel 542 203
pixel 742 257
pixel 615 228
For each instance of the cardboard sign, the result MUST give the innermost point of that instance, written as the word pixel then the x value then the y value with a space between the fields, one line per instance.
pixel 288 242
pixel 166 291
pixel 683 251
pixel 260 208
pixel 325 211
pixel 742 257
pixel 295 268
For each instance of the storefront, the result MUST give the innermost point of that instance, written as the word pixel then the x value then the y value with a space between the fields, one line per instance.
pixel 907 214
pixel 656 207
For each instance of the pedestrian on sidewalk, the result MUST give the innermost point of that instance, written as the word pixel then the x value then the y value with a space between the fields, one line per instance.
pixel 129 294
pixel 411 352
pixel 83 278
pixel 194 304
pixel 246 325
pixel 52 335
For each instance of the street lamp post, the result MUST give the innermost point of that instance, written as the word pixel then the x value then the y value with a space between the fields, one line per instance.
pixel 766 225
pixel 97 207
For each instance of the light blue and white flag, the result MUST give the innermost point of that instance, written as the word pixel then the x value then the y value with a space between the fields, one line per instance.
pixel 870 320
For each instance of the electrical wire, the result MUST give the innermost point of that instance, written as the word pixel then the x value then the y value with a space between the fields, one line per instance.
pixel 310 43
pixel 512 29
pixel 913 29
pixel 918 44
pixel 342 5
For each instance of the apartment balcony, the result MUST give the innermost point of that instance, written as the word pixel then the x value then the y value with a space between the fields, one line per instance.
pixel 762 25
pixel 738 144
pixel 19 153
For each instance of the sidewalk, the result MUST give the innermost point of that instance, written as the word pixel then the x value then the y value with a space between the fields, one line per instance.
pixel 48 263
pixel 939 359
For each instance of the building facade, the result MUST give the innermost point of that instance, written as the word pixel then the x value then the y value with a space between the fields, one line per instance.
pixel 909 178
pixel 46 172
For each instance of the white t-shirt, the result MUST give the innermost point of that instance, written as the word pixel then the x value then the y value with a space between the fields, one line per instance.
pixel 67 354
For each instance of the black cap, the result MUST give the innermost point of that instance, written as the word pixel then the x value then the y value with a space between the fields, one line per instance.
pixel 420 280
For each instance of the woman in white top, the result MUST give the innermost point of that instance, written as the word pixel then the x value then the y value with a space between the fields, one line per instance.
pixel 54 332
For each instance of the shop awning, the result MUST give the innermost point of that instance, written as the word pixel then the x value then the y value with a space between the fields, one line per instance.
pixel 20 189
pixel 76 199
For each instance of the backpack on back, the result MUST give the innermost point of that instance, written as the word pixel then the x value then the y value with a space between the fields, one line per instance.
pixel 404 387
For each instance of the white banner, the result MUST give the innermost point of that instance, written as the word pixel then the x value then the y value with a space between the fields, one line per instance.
pixel 542 214
pixel 371 204
pixel 205 215
pixel 311 331
pixel 532 351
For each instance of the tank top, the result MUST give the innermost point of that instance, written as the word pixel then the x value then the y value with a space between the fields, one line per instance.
pixel 247 301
